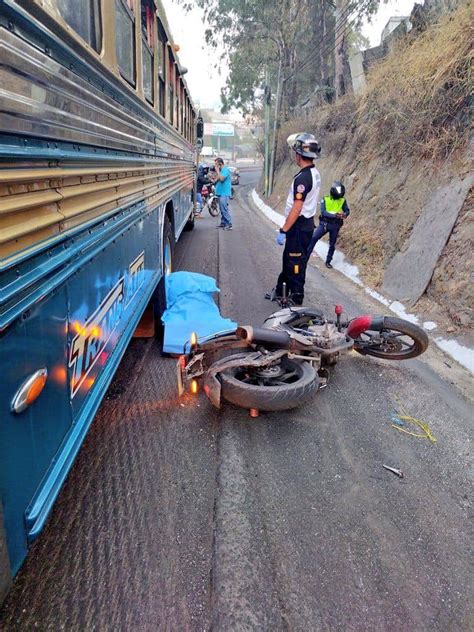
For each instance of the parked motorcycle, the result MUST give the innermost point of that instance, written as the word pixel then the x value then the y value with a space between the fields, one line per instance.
pixel 210 201
pixel 283 363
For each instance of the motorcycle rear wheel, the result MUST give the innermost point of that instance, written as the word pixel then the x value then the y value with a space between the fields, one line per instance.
pixel 398 340
pixel 281 387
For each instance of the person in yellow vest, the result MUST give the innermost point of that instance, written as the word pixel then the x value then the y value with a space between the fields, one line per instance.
pixel 334 210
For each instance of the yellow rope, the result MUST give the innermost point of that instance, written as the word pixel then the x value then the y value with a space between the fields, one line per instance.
pixel 427 434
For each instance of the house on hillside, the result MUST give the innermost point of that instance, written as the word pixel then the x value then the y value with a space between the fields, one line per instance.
pixel 397 27
pixel 392 24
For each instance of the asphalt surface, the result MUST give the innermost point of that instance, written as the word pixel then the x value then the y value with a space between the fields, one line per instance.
pixel 177 516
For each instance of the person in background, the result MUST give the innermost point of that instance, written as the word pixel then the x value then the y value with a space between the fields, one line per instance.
pixel 223 191
pixel 334 210
pixel 301 206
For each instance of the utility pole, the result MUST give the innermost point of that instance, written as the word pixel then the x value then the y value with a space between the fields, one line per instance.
pixel 267 96
pixel 276 125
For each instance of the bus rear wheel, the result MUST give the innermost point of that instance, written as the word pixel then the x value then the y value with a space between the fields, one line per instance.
pixel 167 253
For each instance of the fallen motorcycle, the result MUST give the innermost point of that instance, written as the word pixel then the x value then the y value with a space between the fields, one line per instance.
pixel 283 363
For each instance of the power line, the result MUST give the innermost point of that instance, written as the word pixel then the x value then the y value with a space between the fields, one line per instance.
pixel 346 13
pixel 342 29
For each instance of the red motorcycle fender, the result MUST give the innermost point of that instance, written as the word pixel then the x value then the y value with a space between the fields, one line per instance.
pixel 364 323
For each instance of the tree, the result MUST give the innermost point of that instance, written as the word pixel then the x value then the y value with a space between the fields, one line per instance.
pixel 348 16
pixel 257 35
pixel 261 35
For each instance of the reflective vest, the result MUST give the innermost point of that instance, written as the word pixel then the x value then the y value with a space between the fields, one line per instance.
pixel 333 206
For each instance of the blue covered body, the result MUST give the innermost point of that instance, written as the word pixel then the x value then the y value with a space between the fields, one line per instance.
pixel 191 308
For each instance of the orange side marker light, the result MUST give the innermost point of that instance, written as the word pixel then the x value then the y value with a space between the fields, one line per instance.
pixel 29 391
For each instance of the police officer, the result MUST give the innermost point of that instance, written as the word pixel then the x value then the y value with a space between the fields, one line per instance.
pixel 334 210
pixel 300 210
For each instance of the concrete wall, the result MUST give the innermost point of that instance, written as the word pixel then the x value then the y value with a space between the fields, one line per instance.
pixel 361 61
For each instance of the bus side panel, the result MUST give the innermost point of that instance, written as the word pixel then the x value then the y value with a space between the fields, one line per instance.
pixel 5 571
pixel 79 334
pixel 105 295
pixel 183 207
pixel 29 440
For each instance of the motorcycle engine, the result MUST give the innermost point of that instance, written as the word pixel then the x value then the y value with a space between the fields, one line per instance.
pixel 326 336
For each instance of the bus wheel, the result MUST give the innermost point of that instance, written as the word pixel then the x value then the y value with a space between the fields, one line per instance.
pixel 167 251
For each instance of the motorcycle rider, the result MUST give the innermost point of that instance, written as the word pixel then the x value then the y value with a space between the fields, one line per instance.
pixel 334 210
pixel 300 210
pixel 202 179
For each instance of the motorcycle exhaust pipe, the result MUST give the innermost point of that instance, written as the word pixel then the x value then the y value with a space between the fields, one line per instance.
pixel 268 337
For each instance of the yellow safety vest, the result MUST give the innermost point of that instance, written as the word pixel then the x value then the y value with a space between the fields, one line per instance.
pixel 333 206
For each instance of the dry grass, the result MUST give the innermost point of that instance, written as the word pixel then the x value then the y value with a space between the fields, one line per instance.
pixel 418 100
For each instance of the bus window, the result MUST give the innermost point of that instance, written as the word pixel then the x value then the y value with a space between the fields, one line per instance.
pixel 177 99
pixel 84 18
pixel 148 45
pixel 171 89
pixel 161 69
pixel 125 38
pixel 181 110
pixel 186 117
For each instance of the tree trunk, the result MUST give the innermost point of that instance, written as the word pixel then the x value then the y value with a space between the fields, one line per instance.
pixel 340 46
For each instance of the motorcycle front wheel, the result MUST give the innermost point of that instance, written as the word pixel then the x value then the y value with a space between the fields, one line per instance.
pixel 282 386
pixel 398 340
pixel 214 207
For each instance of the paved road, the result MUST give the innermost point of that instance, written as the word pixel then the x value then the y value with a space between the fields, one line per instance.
pixel 180 517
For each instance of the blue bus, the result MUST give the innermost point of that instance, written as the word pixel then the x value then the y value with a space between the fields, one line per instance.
pixel 98 138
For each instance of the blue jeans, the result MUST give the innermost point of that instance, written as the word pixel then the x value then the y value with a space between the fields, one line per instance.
pixel 199 201
pixel 226 219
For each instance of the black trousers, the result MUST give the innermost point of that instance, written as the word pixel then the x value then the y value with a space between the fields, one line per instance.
pixel 325 226
pixel 295 259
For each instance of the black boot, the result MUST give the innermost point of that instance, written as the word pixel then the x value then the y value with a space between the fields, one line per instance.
pixel 328 265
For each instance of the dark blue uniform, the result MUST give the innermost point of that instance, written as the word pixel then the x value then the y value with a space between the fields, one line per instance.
pixel 304 188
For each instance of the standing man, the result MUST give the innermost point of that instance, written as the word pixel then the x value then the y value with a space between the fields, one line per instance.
pixel 334 210
pixel 223 191
pixel 300 210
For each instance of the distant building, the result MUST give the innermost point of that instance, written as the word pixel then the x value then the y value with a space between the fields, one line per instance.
pixel 392 24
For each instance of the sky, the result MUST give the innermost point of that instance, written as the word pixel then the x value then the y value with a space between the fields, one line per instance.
pixel 204 78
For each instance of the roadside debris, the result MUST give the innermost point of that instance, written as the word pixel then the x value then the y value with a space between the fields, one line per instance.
pixel 399 421
pixel 399 473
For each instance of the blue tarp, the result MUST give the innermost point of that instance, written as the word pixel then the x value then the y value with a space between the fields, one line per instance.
pixel 191 307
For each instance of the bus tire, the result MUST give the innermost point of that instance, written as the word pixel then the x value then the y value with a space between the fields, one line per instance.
pixel 167 253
